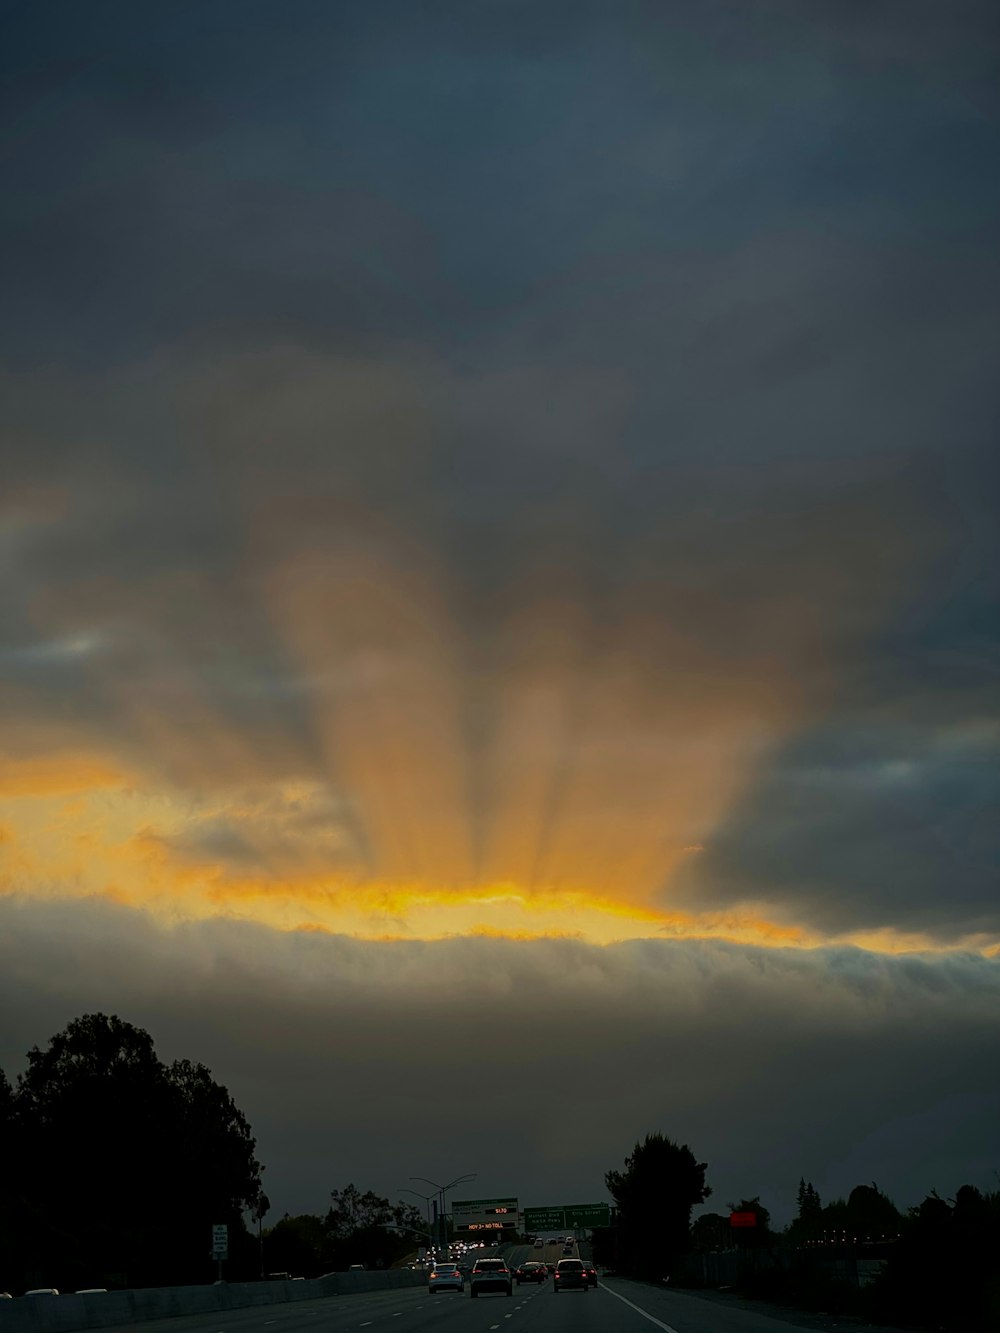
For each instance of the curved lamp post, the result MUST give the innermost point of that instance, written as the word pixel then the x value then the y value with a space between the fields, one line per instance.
pixel 442 1191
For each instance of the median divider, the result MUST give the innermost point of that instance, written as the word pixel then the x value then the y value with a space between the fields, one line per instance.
pixel 108 1309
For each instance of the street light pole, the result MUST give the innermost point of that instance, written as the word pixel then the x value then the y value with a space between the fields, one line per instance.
pixel 442 1191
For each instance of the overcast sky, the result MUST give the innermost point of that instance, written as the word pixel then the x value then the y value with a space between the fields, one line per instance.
pixel 499 568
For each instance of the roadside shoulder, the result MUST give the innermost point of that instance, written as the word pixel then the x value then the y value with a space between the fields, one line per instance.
pixel 819 1321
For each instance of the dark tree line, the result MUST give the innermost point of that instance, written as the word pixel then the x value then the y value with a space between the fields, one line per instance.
pixel 940 1260
pixel 116 1165
pixel 358 1228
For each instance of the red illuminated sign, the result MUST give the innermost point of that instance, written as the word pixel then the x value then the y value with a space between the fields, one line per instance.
pixel 742 1219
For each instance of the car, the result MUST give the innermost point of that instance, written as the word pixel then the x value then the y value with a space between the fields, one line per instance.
pixel 42 1291
pixel 591 1273
pixel 567 1249
pixel 539 1244
pixel 490 1275
pixel 531 1272
pixel 446 1277
pixel 570 1273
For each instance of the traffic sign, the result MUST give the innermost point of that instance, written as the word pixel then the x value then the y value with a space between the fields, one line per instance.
pixel 544 1219
pixel 572 1215
pixel 483 1214
pixel 588 1215
pixel 220 1241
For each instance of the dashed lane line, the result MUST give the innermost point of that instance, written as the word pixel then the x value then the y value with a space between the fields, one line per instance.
pixel 668 1328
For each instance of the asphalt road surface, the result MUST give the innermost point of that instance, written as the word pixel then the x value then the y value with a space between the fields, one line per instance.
pixel 616 1306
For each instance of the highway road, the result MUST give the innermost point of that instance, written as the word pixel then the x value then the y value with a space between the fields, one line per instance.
pixel 616 1306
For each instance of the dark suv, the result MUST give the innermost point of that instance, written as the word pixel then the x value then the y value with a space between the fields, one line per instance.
pixel 531 1272
pixel 570 1273
pixel 490 1275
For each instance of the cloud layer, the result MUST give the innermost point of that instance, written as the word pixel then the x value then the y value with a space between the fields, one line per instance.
pixel 374 1062
pixel 498 526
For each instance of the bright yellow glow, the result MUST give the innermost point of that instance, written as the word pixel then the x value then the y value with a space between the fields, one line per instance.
pixel 128 846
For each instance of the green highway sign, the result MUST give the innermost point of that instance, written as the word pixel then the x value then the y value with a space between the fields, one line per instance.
pixel 544 1219
pixel 571 1215
pixel 588 1215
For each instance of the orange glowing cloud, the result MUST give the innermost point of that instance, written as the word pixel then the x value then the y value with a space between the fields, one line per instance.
pixel 142 849
pixel 56 774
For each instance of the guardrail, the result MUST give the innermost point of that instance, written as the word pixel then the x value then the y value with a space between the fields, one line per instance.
pixel 107 1309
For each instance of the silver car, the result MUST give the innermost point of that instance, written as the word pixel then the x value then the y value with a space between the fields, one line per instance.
pixel 446 1277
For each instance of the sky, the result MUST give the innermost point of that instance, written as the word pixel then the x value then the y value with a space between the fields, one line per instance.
pixel 499 566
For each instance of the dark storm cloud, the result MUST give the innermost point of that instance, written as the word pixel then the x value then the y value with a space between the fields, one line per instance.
pixel 861 826
pixel 876 1068
pixel 431 173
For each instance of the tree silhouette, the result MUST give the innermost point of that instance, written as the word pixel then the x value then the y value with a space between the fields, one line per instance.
pixel 871 1215
pixel 807 1225
pixel 131 1162
pixel 654 1195
pixel 295 1245
pixel 944 1271
pixel 365 1228
pixel 809 1203
pixel 710 1231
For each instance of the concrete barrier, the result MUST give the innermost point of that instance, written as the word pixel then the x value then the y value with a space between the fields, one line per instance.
pixel 106 1309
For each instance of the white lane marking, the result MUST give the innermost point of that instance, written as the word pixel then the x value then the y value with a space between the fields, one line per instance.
pixel 367 1324
pixel 639 1310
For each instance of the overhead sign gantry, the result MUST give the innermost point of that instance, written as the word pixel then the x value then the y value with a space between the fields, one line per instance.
pixel 472 1215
